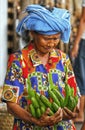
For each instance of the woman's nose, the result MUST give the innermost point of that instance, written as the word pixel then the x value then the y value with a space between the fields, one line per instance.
pixel 51 44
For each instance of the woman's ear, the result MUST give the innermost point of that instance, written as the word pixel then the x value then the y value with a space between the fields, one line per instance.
pixel 32 33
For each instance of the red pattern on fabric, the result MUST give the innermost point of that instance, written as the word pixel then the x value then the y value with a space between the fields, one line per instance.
pixel 54 59
pixel 10 60
pixel 29 102
pixel 74 128
pixel 72 83
pixel 30 47
pixel 15 127
pixel 63 92
pixel 28 64
pixel 47 67
pixel 25 70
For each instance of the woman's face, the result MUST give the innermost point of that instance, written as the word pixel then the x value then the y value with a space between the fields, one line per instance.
pixel 45 43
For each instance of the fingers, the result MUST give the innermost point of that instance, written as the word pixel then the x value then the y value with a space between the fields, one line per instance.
pixel 59 113
pixel 51 120
pixel 57 116
pixel 67 110
pixel 69 114
pixel 65 115
pixel 45 119
pixel 46 113
pixel 76 109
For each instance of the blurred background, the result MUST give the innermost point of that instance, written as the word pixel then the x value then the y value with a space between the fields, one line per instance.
pixel 10 15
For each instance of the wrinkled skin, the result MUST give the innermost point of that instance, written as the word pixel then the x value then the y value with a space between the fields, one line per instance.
pixel 61 114
pixel 45 120
pixel 67 114
pixel 49 120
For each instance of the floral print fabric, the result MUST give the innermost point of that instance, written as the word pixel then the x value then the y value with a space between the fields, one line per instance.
pixel 26 64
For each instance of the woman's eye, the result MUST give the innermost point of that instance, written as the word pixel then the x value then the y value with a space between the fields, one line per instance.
pixel 56 38
pixel 48 39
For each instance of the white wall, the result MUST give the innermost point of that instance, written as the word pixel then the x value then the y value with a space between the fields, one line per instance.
pixel 3 40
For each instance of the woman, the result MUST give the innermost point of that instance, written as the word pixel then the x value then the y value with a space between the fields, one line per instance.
pixel 29 70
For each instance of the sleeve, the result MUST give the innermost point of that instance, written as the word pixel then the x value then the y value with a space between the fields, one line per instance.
pixel 70 77
pixel 14 82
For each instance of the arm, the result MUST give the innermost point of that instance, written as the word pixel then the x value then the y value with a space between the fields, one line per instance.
pixel 81 29
pixel 24 115
pixel 19 112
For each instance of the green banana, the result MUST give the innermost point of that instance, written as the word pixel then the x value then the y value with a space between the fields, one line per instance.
pixel 68 93
pixel 31 91
pixel 43 109
pixel 37 95
pixel 38 112
pixel 51 84
pixel 34 102
pixel 70 100
pixel 55 106
pixel 51 113
pixel 71 104
pixel 50 80
pixel 76 99
pixel 59 96
pixel 45 101
pixel 32 110
pixel 72 91
pixel 53 96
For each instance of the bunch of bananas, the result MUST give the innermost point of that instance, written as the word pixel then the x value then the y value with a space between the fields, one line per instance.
pixel 39 103
pixel 70 100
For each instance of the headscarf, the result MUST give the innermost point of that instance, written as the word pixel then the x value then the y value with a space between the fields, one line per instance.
pixel 46 22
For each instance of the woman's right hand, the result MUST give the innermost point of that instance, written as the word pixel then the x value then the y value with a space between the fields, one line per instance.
pixel 47 120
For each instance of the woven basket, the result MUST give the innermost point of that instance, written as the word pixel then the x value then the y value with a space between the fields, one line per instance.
pixel 6 121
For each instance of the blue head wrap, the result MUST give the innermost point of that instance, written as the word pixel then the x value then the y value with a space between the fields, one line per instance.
pixel 46 22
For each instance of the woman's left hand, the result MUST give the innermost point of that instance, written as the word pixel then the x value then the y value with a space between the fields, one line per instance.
pixel 68 114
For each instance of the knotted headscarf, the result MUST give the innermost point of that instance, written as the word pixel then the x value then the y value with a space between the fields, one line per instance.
pixel 46 22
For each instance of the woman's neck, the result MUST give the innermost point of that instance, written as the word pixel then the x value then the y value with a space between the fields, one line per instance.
pixel 44 58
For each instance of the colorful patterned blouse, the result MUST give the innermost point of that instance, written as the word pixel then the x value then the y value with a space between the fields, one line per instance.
pixel 24 65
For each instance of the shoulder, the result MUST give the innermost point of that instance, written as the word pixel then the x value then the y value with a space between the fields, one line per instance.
pixel 14 59
pixel 15 56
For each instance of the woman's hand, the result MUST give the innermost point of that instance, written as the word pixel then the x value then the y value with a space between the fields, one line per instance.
pixel 24 115
pixel 47 120
pixel 68 114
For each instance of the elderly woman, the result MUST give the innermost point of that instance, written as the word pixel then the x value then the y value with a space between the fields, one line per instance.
pixel 30 69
